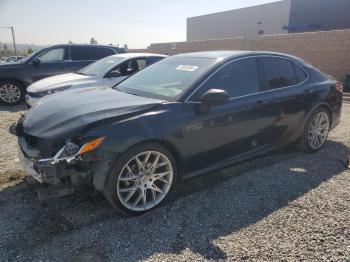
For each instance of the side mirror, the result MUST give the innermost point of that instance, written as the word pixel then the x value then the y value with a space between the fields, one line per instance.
pixel 36 61
pixel 215 97
pixel 113 74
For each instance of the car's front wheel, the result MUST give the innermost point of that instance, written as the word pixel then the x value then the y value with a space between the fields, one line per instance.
pixel 11 92
pixel 316 131
pixel 141 179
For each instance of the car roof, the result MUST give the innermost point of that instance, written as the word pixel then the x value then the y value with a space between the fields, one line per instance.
pixel 227 55
pixel 84 45
pixel 133 55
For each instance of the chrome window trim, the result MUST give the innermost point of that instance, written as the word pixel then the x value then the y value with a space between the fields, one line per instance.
pixel 187 100
pixel 81 60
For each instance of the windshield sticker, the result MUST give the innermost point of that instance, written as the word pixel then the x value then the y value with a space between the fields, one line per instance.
pixel 189 68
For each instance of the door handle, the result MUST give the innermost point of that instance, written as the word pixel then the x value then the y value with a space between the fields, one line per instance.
pixel 307 91
pixel 261 103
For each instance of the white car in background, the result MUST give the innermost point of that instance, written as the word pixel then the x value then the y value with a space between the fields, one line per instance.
pixel 106 72
pixel 12 59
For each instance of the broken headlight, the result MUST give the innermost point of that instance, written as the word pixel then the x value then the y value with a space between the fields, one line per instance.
pixel 71 151
pixel 52 91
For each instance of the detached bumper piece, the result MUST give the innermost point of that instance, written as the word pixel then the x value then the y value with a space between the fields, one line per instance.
pixel 54 191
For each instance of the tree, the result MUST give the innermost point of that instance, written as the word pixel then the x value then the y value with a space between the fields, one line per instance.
pixel 5 47
pixel 29 51
pixel 93 41
pixel 126 47
pixel 70 42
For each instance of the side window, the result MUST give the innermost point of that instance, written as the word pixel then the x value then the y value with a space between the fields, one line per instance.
pixel 300 74
pixel 154 59
pixel 237 78
pixel 101 52
pixel 79 53
pixel 53 55
pixel 141 64
pixel 279 72
pixel 131 66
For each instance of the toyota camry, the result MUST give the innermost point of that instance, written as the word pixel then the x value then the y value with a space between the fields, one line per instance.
pixel 179 118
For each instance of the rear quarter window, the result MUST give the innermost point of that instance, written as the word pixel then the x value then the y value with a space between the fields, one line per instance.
pixel 154 59
pixel 281 72
pixel 299 74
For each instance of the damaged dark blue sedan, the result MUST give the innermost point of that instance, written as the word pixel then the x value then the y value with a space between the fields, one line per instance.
pixel 182 117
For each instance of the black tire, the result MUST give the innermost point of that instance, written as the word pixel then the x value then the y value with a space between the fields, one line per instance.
pixel 303 142
pixel 19 86
pixel 110 186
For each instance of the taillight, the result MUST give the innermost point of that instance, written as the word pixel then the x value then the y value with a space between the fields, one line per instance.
pixel 339 87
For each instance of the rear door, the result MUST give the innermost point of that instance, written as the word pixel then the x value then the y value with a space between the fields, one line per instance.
pixel 82 56
pixel 282 84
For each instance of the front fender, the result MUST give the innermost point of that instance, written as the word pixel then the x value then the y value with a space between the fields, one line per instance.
pixel 15 76
pixel 122 135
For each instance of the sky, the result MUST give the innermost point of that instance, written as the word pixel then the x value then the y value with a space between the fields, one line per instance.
pixel 136 23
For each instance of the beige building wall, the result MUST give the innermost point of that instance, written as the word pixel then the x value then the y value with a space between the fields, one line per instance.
pixel 329 51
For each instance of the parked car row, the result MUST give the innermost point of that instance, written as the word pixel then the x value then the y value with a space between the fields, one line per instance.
pixel 106 72
pixel 54 60
pixel 180 117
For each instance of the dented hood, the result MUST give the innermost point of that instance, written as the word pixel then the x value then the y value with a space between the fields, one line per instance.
pixel 65 112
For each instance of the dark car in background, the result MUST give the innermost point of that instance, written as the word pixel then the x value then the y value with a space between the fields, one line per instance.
pixel 181 117
pixel 50 61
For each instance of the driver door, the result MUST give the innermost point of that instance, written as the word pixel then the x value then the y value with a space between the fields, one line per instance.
pixel 52 62
pixel 233 129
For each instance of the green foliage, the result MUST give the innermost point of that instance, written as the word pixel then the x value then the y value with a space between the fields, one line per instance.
pixel 30 51
pixel 93 41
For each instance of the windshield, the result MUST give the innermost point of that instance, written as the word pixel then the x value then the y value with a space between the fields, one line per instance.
pixel 101 67
pixel 30 56
pixel 168 78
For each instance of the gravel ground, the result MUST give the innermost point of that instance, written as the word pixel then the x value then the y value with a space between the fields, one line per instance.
pixel 286 206
pixel 10 168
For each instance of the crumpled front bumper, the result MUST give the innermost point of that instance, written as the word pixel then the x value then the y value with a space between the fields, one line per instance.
pixel 31 101
pixel 29 158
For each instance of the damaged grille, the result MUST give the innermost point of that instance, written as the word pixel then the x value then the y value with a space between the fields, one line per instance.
pixel 31 140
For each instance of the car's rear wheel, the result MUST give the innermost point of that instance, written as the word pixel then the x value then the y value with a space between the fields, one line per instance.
pixel 11 92
pixel 316 131
pixel 141 179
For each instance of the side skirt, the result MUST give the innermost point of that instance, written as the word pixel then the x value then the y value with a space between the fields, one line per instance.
pixel 232 161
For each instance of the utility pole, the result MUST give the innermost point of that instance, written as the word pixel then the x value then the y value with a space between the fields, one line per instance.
pixel 13 36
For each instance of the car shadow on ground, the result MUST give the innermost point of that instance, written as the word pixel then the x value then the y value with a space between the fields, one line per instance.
pixel 200 211
pixel 13 109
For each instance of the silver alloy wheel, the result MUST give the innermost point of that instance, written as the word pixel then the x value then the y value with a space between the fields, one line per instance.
pixel 10 93
pixel 318 131
pixel 144 181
